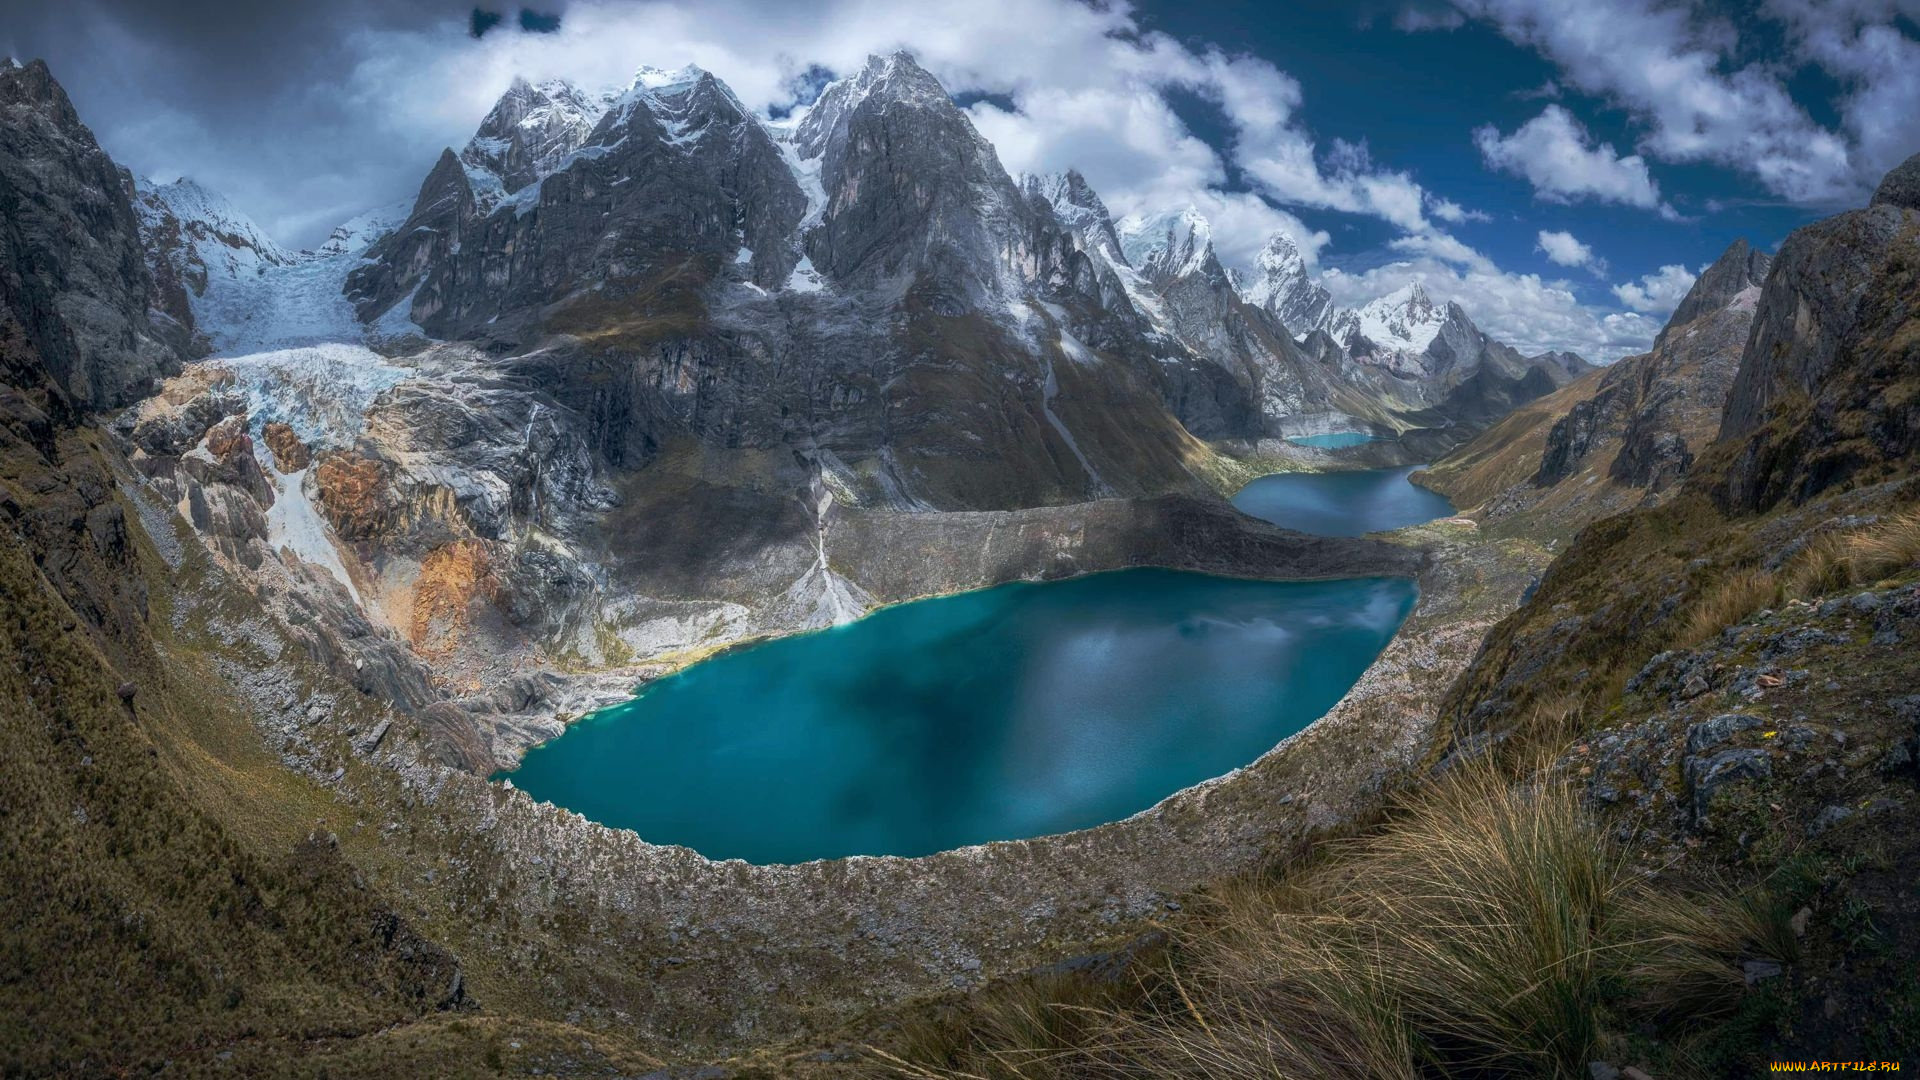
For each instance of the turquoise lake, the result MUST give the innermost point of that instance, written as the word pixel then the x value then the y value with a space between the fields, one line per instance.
pixel 1342 503
pixel 1332 440
pixel 1010 712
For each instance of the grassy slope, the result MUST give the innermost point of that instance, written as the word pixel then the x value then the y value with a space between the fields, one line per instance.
pixel 173 892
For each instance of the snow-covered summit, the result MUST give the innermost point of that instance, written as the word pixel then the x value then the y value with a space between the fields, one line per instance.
pixel 1280 284
pixel 895 77
pixel 214 229
pixel 358 233
pixel 1405 320
pixel 661 81
pixel 1167 245
pixel 528 133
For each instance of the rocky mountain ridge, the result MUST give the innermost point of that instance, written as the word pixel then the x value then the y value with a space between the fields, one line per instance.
pixel 1624 435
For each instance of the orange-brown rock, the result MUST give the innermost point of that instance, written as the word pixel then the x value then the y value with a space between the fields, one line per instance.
pixel 229 437
pixel 452 576
pixel 289 453
pixel 353 491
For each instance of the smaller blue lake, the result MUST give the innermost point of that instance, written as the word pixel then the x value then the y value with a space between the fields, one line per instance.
pixel 1010 712
pixel 1331 441
pixel 1347 503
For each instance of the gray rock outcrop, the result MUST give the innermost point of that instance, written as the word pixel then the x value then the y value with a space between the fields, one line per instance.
pixel 72 271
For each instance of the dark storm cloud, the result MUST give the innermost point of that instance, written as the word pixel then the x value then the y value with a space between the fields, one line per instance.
pixel 533 22
pixel 482 21
pixel 216 89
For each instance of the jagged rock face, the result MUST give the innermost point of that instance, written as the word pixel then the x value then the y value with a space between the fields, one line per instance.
pixel 1809 304
pixel 1737 269
pixel 1281 286
pixel 675 181
pixel 528 134
pixel 72 272
pixel 915 195
pixel 1657 410
pixel 1900 187
pixel 1826 393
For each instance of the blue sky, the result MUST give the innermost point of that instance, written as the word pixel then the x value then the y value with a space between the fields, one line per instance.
pixel 1415 99
pixel 1560 167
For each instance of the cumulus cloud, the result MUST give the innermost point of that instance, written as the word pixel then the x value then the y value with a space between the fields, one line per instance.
pixel 1529 312
pixel 1564 249
pixel 1859 43
pixel 1452 212
pixel 1679 75
pixel 1555 154
pixel 1657 293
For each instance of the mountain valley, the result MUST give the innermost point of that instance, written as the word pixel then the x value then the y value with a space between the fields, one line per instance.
pixel 306 550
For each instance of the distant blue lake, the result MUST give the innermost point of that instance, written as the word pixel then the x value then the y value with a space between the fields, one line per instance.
pixel 1332 441
pixel 1342 503
pixel 1009 712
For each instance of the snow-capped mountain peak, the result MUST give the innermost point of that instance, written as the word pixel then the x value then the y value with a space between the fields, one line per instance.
pixel 1405 320
pixel 664 82
pixel 893 77
pixel 1168 245
pixel 1281 286
pixel 215 228
pixel 529 131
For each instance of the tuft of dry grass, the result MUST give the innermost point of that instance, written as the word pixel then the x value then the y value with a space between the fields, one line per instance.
pixel 1840 560
pixel 1489 927
pixel 1037 1028
pixel 1834 561
pixel 1732 601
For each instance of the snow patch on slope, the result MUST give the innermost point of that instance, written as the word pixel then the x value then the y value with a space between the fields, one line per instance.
pixel 295 525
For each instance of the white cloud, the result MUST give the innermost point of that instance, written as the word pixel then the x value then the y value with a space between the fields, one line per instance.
pixel 1418 20
pixel 1678 76
pixel 1564 249
pixel 1859 44
pixel 1452 212
pixel 1531 313
pixel 1657 293
pixel 1553 152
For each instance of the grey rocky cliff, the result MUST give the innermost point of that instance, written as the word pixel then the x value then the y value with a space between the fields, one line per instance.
pixel 1900 187
pixel 72 270
pixel 1656 411
pixel 1283 289
pixel 1809 304
pixel 1825 393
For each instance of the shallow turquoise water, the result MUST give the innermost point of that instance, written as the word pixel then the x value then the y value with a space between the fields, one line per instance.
pixel 1342 503
pixel 1009 712
pixel 1331 441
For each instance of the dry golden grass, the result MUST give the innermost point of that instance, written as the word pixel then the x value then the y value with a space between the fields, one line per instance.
pixel 1731 601
pixel 1489 927
pixel 1834 561
pixel 1857 557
